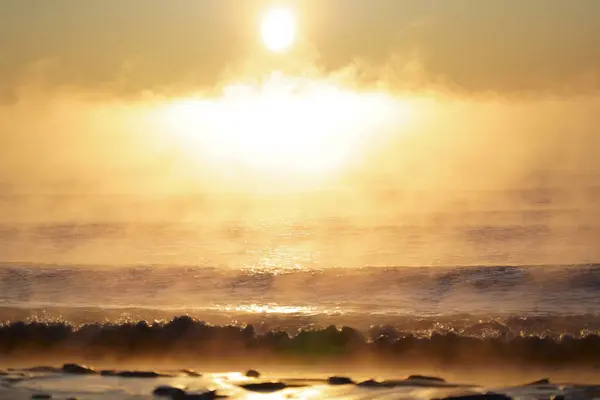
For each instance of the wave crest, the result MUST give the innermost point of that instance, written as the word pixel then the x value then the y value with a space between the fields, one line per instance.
pixel 183 337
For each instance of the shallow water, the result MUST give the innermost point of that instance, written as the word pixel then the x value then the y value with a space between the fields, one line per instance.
pixel 504 288
pixel 23 384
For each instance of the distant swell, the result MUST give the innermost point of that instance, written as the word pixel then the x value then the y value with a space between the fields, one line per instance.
pixel 371 291
pixel 186 338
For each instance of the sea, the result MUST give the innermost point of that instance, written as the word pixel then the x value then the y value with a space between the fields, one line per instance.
pixel 513 289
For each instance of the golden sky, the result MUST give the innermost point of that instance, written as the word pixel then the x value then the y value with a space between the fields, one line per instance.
pixel 432 113
pixel 118 96
pixel 125 47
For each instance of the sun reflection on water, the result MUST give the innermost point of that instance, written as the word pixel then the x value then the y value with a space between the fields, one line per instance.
pixel 303 393
pixel 269 309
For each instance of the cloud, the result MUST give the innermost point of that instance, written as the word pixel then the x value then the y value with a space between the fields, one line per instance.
pixel 468 47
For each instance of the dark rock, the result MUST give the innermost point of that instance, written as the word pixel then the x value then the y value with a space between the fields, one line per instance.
pixel 340 380
pixel 251 373
pixel 413 380
pixel 383 384
pixel 558 397
pixel 191 373
pixel 175 393
pixel 41 396
pixel 138 374
pixel 544 381
pixel 169 391
pixel 425 378
pixel 369 383
pixel 202 396
pixel 265 387
pixel 77 369
pixel 108 372
pixel 132 374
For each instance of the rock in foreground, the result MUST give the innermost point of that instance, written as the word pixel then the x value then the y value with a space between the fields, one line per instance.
pixel 169 391
pixel 544 381
pixel 340 380
pixel 175 393
pixel 479 396
pixel 252 373
pixel 132 374
pixel 425 378
pixel 77 369
pixel 265 387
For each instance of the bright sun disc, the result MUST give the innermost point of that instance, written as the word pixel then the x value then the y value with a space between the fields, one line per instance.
pixel 278 29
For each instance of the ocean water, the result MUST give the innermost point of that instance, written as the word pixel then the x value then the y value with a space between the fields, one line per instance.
pixel 522 283
pixel 494 290
pixel 357 297
pixel 48 382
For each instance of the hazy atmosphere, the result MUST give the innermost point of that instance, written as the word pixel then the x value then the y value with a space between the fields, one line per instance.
pixel 423 172
pixel 394 112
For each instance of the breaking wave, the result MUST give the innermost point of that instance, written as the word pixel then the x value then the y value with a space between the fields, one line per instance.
pixel 539 315
pixel 185 338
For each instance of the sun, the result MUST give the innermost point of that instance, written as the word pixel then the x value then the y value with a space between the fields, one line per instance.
pixel 278 29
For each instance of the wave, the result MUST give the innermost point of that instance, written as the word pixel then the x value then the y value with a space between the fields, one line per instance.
pixel 184 338
pixel 490 290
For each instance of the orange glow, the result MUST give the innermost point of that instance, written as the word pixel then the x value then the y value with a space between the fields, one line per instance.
pixel 288 127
